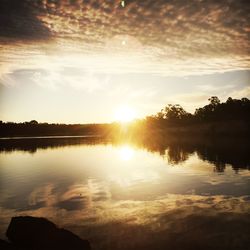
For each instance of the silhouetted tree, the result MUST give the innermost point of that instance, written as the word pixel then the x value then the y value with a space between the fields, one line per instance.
pixel 33 122
pixel 172 113
pixel 214 101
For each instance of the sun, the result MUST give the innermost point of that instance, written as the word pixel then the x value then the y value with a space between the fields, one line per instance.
pixel 125 114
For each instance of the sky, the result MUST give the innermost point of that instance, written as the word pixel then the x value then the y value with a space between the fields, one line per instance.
pixel 81 61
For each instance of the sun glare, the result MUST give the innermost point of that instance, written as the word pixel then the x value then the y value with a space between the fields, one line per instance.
pixel 125 114
pixel 126 153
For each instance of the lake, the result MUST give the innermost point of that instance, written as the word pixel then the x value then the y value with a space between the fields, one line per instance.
pixel 128 195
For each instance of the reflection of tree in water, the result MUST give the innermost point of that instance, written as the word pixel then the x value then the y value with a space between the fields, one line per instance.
pixel 219 151
pixel 236 153
pixel 33 144
pixel 219 167
pixel 176 154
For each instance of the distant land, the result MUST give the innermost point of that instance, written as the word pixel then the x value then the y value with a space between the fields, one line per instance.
pixel 214 119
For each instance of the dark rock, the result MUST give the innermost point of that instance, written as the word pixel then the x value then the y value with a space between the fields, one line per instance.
pixel 4 245
pixel 40 234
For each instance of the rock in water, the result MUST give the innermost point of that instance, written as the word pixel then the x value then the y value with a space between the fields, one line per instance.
pixel 39 233
pixel 4 245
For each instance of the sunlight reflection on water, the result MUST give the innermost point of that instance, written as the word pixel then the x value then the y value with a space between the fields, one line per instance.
pixel 126 152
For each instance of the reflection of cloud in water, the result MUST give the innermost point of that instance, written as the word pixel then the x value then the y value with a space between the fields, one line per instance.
pixel 82 196
pixel 107 222
pixel 74 203
pixel 72 197
pixel 41 195
pixel 76 197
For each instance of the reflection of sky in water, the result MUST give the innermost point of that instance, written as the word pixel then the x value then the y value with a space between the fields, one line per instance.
pixel 103 184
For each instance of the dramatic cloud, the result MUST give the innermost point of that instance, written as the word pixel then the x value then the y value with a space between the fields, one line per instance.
pixel 18 19
pixel 165 37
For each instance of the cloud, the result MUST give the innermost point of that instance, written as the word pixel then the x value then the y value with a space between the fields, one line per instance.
pixel 19 20
pixel 168 38
pixel 245 92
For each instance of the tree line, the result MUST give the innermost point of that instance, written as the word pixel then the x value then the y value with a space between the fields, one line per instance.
pixel 33 128
pixel 232 109
pixel 230 117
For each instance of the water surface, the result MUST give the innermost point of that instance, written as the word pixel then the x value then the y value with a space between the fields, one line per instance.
pixel 130 195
